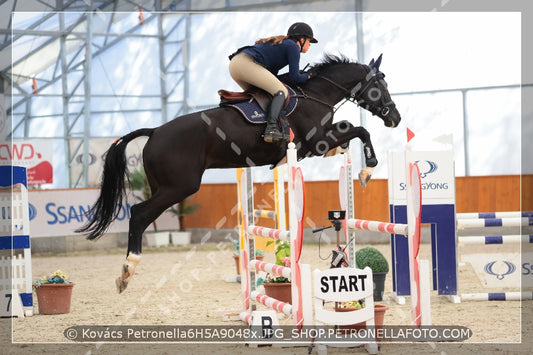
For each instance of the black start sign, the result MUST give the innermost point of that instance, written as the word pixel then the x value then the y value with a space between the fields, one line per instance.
pixel 342 283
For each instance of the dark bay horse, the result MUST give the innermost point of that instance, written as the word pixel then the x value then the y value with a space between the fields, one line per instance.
pixel 178 152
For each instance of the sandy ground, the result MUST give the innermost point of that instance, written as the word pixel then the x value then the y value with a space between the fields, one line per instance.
pixel 185 286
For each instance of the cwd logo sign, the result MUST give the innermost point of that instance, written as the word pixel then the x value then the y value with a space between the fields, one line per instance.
pixel 34 155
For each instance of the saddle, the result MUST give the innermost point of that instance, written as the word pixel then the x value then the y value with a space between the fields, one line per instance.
pixel 253 104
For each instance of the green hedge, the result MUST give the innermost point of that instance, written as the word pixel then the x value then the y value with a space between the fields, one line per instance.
pixel 372 258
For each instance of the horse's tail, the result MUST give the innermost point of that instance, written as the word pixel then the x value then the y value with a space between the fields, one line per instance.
pixel 112 191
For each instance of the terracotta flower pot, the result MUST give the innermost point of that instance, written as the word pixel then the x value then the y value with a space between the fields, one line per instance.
pixel 54 298
pixel 279 290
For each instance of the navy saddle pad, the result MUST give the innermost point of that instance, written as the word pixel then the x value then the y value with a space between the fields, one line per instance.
pixel 255 114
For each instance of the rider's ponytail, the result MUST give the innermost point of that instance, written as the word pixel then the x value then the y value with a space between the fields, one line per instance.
pixel 274 39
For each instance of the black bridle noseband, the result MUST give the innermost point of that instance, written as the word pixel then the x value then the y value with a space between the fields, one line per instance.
pixel 355 94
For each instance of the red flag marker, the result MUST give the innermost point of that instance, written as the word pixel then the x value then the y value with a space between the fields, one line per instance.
pixel 410 135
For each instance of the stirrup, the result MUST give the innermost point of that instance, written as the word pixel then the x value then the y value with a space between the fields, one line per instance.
pixel 272 135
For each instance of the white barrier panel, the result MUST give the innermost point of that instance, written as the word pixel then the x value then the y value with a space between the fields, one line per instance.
pixel 16 297
pixel 435 160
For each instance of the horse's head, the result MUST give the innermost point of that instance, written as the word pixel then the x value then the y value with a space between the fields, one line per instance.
pixel 366 86
pixel 373 95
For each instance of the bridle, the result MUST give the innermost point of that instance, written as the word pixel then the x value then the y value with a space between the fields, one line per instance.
pixel 356 93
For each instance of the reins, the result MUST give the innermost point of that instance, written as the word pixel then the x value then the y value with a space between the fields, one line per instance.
pixel 353 95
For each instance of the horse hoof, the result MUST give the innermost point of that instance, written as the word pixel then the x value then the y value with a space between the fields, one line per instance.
pixel 364 178
pixel 121 284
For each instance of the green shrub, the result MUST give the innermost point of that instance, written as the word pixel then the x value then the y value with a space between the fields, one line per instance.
pixel 372 258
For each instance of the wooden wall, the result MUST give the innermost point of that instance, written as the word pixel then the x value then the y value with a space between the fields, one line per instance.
pixel 473 194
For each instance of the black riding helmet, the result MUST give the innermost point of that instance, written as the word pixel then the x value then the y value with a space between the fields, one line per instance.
pixel 300 29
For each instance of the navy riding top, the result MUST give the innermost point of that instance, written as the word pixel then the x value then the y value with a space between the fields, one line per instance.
pixel 276 56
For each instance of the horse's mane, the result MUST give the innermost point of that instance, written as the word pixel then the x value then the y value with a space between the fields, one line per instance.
pixel 327 60
pixel 330 59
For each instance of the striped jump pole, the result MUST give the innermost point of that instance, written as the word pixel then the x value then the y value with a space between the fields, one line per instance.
pixel 271 268
pixel 508 214
pixel 494 222
pixel 300 308
pixel 497 296
pixel 375 226
pixel 496 239
pixel 271 233
pixel 277 215
pixel 272 303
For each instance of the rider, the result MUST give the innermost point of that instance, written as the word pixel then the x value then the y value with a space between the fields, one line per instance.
pixel 259 64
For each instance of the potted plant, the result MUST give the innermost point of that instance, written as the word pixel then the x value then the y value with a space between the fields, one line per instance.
pixel 373 258
pixel 379 315
pixel 54 293
pixel 180 210
pixel 279 287
pixel 259 255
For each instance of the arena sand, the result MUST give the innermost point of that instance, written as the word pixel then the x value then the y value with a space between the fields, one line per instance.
pixel 185 286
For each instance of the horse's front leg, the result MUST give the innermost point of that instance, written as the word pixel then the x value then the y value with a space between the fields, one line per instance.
pixel 341 133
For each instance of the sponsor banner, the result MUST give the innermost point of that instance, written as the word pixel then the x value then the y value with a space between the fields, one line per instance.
pixel 436 172
pixel 59 212
pixel 97 150
pixel 34 154
pixel 495 270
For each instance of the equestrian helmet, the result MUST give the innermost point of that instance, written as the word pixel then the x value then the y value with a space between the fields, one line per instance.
pixel 301 29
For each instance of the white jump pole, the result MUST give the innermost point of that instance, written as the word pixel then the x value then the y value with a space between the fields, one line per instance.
pixel 494 222
pixel 507 214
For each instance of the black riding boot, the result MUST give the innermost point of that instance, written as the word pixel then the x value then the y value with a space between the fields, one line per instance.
pixel 272 133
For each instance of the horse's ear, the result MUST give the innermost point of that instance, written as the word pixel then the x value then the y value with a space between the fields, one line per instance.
pixel 378 62
pixel 371 64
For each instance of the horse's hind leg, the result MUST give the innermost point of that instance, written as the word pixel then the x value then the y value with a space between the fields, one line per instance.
pixel 142 214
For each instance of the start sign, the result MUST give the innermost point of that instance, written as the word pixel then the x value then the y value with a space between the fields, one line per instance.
pixel 343 284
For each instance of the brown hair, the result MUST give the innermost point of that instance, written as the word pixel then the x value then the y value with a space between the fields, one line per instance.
pixel 275 39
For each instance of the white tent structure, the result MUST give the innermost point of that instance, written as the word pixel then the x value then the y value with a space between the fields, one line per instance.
pixel 76 72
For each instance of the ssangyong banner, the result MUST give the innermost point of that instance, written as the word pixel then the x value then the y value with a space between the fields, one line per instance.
pixel 97 149
pixel 34 154
pixel 59 212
